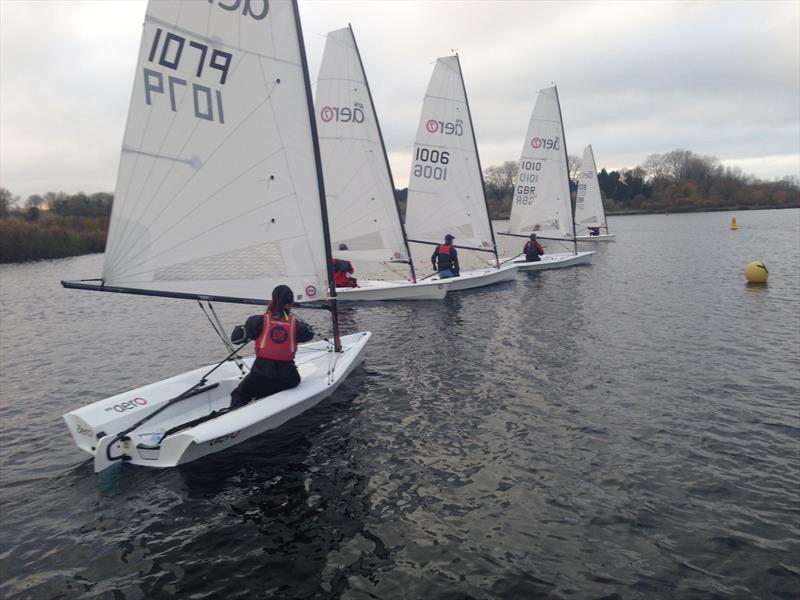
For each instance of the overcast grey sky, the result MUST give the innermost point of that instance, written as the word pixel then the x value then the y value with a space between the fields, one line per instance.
pixel 634 78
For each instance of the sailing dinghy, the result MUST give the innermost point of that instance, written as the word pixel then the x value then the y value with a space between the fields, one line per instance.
pixel 364 218
pixel 589 211
pixel 445 189
pixel 219 197
pixel 542 202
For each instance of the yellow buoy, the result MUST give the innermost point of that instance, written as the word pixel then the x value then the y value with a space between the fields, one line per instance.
pixel 733 223
pixel 756 272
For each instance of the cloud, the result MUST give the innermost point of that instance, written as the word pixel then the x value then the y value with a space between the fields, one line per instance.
pixel 635 78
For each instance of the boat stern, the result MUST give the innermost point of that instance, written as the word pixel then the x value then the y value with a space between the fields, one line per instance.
pixel 84 435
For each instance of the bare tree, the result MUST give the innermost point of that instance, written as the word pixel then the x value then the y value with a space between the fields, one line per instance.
pixel 574 167
pixel 499 179
pixel 7 202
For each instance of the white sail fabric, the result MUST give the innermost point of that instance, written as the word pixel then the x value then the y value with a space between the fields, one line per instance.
pixel 589 210
pixel 542 200
pixel 217 191
pixel 362 210
pixel 445 189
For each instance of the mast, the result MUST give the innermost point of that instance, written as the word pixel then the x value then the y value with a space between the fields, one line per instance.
pixel 326 234
pixel 600 193
pixel 385 156
pixel 566 163
pixel 478 157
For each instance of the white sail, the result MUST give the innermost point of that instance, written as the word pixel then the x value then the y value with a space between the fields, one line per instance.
pixel 217 191
pixel 588 202
pixel 445 189
pixel 359 190
pixel 541 193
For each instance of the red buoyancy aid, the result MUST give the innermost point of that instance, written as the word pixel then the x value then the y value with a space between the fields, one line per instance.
pixel 278 339
pixel 445 248
pixel 533 246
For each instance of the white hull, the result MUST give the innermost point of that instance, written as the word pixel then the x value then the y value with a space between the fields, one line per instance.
pixel 481 277
pixel 554 261
pixel 604 237
pixel 94 427
pixel 394 290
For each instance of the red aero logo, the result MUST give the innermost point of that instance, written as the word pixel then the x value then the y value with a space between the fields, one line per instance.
pixel 326 113
pixel 343 114
pixel 311 291
pixel 546 143
pixel 445 127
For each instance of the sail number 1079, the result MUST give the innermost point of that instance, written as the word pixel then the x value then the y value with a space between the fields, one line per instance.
pixel 436 167
pixel 175 52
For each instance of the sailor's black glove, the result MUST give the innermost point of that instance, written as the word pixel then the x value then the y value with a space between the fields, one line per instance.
pixel 237 335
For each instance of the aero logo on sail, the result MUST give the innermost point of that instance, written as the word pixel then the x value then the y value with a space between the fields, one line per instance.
pixel 445 127
pixel 546 143
pixel 343 114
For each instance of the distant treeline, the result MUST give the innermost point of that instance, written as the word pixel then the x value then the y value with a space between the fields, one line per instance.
pixel 673 182
pixel 57 225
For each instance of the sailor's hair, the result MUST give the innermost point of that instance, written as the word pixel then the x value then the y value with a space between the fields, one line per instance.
pixel 281 296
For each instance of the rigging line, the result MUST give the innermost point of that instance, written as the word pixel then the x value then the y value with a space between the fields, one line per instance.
pixel 218 331
pixel 388 266
pixel 225 340
pixel 188 180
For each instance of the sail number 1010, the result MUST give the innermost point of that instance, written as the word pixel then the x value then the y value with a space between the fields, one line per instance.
pixel 528 174
pixel 436 167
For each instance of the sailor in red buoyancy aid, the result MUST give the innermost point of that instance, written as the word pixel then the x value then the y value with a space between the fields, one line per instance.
pixel 342 269
pixel 533 250
pixel 445 259
pixel 276 333
pixel 341 273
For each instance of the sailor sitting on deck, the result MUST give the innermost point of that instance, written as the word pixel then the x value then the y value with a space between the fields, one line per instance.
pixel 594 230
pixel 342 269
pixel 277 333
pixel 533 250
pixel 445 259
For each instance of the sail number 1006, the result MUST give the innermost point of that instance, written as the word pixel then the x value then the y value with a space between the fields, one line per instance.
pixel 436 167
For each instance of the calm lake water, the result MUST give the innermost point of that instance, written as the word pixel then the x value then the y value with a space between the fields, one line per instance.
pixel 625 430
